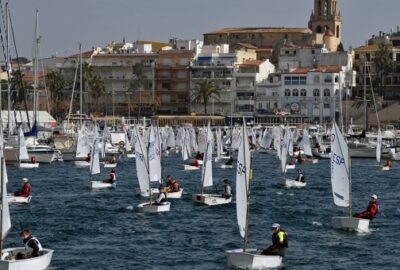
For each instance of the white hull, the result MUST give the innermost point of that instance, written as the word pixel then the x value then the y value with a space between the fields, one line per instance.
pixel 98 184
pixel 27 165
pixel 385 168
pixel 110 165
pixel 362 152
pixel 154 191
pixel 130 155
pixel 18 199
pixel 210 199
pixel 42 155
pixel 284 182
pixel 318 154
pixel 190 168
pixel 290 167
pixel 251 260
pixel 35 263
pixel 175 195
pixel 224 166
pixel 151 208
pixel 351 223
pixel 80 163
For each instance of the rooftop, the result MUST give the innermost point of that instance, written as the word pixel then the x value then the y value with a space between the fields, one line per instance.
pixel 237 30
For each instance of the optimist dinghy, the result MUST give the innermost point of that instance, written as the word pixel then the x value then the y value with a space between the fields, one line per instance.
pixel 245 258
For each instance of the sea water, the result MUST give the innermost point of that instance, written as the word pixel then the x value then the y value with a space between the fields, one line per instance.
pixel 103 229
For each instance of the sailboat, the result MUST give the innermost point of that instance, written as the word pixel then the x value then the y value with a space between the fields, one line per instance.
pixel 7 260
pixel 386 167
pixel 283 181
pixel 23 153
pixel 207 177
pixel 95 169
pixel 144 164
pixel 82 149
pixel 245 258
pixel 186 151
pixel 341 183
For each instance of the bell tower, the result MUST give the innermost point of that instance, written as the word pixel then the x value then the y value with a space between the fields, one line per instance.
pixel 326 21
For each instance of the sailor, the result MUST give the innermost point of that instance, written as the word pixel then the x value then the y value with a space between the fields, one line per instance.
pixel 25 190
pixel 198 155
pixel 229 162
pixel 388 163
pixel 300 176
pixel 113 159
pixel 88 157
pixel 195 162
pixel 227 190
pixel 162 196
pixel 372 209
pixel 173 185
pixel 32 244
pixel 279 242
pixel 112 177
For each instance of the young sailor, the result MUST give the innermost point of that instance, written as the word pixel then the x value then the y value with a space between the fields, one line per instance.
pixel 162 196
pixel 32 245
pixel 279 242
pixel 25 190
pixel 112 177
pixel 372 209
pixel 300 176
pixel 227 190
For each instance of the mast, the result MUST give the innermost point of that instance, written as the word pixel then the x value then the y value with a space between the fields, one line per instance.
pixel 246 227
pixel 36 66
pixel 80 85
pixel 350 204
pixel 2 199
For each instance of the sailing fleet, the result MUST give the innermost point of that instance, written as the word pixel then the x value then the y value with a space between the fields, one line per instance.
pixel 93 146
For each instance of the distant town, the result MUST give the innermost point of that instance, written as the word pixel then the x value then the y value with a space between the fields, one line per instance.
pixel 267 75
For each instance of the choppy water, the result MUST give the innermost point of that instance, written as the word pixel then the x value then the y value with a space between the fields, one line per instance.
pixel 102 229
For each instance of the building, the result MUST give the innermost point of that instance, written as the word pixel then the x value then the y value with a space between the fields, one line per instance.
pixel 172 81
pixel 324 28
pixel 364 65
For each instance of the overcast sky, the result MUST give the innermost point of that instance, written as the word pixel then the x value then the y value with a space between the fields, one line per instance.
pixel 65 23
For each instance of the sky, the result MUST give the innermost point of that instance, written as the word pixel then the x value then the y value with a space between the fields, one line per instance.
pixel 95 23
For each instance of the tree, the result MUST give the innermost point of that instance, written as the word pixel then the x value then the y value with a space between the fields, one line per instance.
pixel 19 84
pixel 56 84
pixel 97 88
pixel 384 64
pixel 205 91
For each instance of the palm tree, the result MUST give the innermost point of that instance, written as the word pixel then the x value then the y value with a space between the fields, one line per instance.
pixel 384 64
pixel 56 85
pixel 205 91
pixel 97 88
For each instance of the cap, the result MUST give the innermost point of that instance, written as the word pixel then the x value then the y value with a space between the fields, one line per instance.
pixel 298 170
pixel 374 196
pixel 275 225
pixel 25 179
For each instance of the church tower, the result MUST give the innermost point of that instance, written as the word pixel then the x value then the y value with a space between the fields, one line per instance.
pixel 326 23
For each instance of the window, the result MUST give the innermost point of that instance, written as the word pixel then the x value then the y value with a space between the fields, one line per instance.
pixel 287 93
pixel 327 93
pixel 357 56
pixel 328 79
pixel 295 93
pixel 326 106
pixel 166 86
pixel 303 92
pixel 336 79
pixel 316 93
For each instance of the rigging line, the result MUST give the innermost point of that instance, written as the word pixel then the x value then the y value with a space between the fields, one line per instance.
pixel 373 96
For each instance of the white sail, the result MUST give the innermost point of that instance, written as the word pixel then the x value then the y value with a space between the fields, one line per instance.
pixel 185 145
pixel 170 137
pixel 242 180
pixel 235 141
pixel 154 155
pixel 202 140
pixel 306 143
pixel 218 136
pixel 141 163
pixel 128 146
pixel 207 162
pixel 290 145
pixel 5 212
pixel 95 159
pixel 379 146
pixel 180 137
pixel 340 176
pixel 23 152
pixel 267 138
pixel 193 144
pixel 82 146
pixel 284 149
